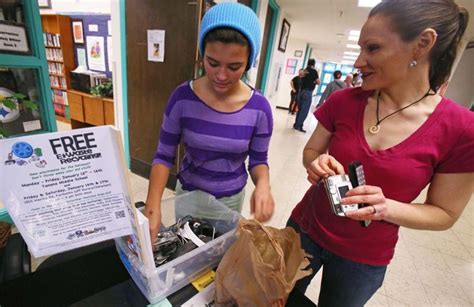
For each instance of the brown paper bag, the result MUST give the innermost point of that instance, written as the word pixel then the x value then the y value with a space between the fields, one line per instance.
pixel 261 267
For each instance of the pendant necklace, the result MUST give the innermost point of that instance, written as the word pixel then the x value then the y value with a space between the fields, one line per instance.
pixel 374 129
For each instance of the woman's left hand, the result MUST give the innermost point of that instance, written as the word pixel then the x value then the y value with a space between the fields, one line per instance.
pixel 261 203
pixel 373 197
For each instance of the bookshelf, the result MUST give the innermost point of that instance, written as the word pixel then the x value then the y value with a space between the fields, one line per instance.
pixel 58 43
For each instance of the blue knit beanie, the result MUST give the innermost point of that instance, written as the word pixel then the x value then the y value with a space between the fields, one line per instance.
pixel 238 17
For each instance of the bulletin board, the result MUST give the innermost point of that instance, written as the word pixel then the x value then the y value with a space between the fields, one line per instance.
pixel 101 23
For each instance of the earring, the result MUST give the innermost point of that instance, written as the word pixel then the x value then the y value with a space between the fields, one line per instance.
pixel 413 63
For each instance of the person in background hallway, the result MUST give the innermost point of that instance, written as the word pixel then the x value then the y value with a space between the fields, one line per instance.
pixel 220 119
pixel 295 84
pixel 308 83
pixel 405 135
pixel 333 86
pixel 356 80
pixel 348 80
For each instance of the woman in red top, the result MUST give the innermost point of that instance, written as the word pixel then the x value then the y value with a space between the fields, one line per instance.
pixel 405 135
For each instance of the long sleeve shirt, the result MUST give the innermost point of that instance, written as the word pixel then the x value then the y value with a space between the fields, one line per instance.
pixel 216 143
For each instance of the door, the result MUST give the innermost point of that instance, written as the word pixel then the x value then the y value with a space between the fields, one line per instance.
pixel 151 83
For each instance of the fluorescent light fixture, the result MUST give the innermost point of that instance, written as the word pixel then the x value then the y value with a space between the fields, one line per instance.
pixel 353 38
pixel 349 57
pixel 354 33
pixel 347 62
pixel 368 3
pixel 353 46
pixel 351 53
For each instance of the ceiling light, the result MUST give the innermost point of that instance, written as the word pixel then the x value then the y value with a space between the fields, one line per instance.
pixel 368 3
pixel 347 62
pixel 350 57
pixel 354 33
pixel 353 46
pixel 351 53
pixel 353 38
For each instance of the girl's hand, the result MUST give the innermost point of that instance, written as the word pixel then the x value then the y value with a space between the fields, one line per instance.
pixel 154 220
pixel 373 196
pixel 323 166
pixel 261 203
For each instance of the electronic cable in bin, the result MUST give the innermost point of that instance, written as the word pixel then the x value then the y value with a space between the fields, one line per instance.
pixel 197 230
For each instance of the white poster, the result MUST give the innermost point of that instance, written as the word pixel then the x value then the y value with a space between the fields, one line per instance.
pixel 66 190
pixel 93 28
pixel 156 45
pixel 95 53
pixel 13 38
pixel 110 52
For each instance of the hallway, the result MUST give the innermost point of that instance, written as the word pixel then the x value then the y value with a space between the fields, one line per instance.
pixel 429 268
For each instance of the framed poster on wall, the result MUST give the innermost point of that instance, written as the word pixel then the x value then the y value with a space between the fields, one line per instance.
pixel 284 35
pixel 78 32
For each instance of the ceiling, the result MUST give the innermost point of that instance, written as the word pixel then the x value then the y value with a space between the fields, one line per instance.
pixel 325 24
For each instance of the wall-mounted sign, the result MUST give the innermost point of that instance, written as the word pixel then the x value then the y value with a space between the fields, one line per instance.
pixel 156 45
pixel 13 38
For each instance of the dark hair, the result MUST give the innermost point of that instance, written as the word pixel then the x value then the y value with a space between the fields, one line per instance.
pixel 411 17
pixel 337 74
pixel 228 36
pixel 311 62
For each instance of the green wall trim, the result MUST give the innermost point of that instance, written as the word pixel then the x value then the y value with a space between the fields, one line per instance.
pixel 123 59
pixel 5 217
pixel 271 42
pixel 306 56
pixel 254 5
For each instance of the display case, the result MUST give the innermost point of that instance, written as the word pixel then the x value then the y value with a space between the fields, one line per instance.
pixel 25 97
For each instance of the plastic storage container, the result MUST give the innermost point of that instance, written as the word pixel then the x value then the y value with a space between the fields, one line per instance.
pixel 168 278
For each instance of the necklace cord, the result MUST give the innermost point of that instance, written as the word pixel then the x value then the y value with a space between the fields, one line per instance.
pixel 399 110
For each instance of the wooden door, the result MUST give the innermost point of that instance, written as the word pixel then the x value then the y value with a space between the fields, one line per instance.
pixel 151 83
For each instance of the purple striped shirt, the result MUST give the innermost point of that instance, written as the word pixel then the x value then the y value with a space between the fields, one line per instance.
pixel 216 143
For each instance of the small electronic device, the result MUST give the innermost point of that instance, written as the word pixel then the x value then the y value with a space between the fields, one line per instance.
pixel 165 246
pixel 357 177
pixel 336 188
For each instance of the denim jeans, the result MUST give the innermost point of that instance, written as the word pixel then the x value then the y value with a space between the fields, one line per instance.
pixel 344 282
pixel 304 103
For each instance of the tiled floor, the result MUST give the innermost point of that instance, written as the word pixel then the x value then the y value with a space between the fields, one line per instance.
pixel 429 268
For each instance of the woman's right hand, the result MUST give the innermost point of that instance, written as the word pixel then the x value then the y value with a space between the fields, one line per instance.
pixel 323 166
pixel 154 220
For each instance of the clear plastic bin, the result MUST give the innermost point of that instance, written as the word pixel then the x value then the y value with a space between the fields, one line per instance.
pixel 168 278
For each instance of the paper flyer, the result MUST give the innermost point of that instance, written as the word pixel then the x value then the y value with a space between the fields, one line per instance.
pixel 67 189
pixel 95 53
pixel 156 45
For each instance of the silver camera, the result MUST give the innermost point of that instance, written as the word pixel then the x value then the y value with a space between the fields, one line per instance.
pixel 336 187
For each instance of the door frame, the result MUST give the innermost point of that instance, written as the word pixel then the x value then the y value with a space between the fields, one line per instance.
pixel 272 5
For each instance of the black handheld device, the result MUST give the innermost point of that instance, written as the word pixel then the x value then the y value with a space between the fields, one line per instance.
pixel 357 177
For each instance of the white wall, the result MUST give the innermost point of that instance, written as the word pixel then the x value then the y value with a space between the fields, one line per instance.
pixel 282 96
pixel 83 6
pixel 117 68
pixel 461 85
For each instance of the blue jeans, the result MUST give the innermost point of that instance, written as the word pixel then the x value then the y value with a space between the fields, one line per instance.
pixel 304 103
pixel 344 282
